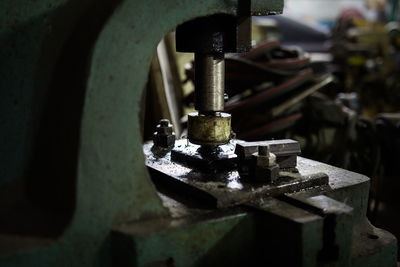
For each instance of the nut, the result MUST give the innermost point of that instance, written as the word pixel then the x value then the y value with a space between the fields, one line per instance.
pixel 264 167
pixel 164 141
pixel 264 161
pixel 164 127
pixel 164 136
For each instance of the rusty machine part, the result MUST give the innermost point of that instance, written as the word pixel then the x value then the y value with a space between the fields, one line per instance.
pixel 209 38
pixel 164 135
pixel 212 129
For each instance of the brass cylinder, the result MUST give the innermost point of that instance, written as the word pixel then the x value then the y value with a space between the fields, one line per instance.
pixel 209 82
pixel 209 129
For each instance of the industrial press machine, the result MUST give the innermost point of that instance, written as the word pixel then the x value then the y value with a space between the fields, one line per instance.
pixel 73 75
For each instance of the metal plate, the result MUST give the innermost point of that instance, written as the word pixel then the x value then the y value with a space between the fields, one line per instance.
pixel 222 188
pixel 186 153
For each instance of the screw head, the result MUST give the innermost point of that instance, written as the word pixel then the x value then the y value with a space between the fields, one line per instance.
pixel 164 123
pixel 164 127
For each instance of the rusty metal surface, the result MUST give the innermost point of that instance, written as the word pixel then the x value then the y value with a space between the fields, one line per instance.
pixel 209 129
pixel 224 188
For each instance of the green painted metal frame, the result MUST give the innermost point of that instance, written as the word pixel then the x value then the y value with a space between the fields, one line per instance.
pixel 112 183
pixel 244 234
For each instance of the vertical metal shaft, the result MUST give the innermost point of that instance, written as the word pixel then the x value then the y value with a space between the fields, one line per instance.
pixel 209 82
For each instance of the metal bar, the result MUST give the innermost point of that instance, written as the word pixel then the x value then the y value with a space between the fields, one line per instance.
pixel 284 106
pixel 209 82
pixel 169 87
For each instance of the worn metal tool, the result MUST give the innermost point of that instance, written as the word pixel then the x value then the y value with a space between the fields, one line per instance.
pixel 210 38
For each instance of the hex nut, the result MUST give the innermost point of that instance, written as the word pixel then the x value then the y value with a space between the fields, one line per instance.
pixel 164 135
pixel 164 141
pixel 264 161
pixel 264 167
pixel 164 129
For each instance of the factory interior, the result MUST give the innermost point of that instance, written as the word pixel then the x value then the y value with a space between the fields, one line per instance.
pixel 199 133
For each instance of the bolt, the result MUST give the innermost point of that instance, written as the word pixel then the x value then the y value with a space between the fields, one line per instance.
pixel 164 127
pixel 263 166
pixel 164 136
pixel 164 123
pixel 263 160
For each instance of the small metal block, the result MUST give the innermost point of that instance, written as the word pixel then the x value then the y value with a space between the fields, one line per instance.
pixel 264 161
pixel 287 162
pixel 263 165
pixel 269 175
pixel 286 151
pixel 164 136
pixel 244 152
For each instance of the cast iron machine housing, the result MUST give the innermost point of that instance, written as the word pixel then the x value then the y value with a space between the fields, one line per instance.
pixel 73 74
